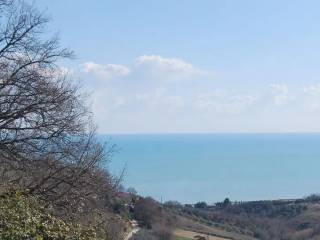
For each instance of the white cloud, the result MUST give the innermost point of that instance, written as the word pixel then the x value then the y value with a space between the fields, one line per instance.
pixel 280 94
pixel 54 72
pixel 162 67
pixel 146 66
pixel 224 102
pixel 106 71
pixel 159 98
pixel 217 102
pixel 313 89
pixel 312 96
pixel 105 103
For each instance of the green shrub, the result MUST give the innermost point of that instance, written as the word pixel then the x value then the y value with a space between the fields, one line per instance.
pixel 25 217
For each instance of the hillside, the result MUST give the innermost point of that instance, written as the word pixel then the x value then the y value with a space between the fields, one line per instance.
pixel 278 219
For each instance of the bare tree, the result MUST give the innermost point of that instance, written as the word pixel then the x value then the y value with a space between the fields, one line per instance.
pixel 48 145
pixel 5 3
pixel 47 139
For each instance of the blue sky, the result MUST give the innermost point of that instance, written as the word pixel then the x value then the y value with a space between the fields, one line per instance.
pixel 195 66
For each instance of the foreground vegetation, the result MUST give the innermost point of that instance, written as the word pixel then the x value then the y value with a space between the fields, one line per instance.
pixel 52 181
pixel 25 217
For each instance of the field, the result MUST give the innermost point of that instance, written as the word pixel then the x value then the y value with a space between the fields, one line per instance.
pixel 187 235
pixel 297 219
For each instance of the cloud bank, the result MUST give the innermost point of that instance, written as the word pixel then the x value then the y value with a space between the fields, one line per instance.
pixel 161 94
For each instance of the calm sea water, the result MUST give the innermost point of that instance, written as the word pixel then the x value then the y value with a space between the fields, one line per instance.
pixel 210 167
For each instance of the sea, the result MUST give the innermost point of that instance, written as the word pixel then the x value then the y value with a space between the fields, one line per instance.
pixel 211 167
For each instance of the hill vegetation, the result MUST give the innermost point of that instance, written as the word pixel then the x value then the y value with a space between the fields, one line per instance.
pixel 278 219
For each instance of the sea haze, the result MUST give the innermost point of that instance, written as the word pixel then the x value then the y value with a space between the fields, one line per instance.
pixel 211 167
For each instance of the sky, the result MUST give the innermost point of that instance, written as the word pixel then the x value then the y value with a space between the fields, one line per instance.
pixel 187 66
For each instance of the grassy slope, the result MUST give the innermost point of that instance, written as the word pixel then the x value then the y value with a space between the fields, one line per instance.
pixel 182 238
pixel 303 225
pixel 185 235
pixel 202 226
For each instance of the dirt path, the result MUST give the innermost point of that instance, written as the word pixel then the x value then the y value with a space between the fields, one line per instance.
pixel 135 229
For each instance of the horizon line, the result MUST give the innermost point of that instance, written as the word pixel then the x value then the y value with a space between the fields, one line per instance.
pixel 208 133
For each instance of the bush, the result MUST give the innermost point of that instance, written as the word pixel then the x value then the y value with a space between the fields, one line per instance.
pixel 26 217
pixel 201 205
pixel 19 219
pixel 151 215
pixel 146 211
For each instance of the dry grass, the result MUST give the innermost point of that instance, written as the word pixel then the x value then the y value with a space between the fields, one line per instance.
pixel 194 226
